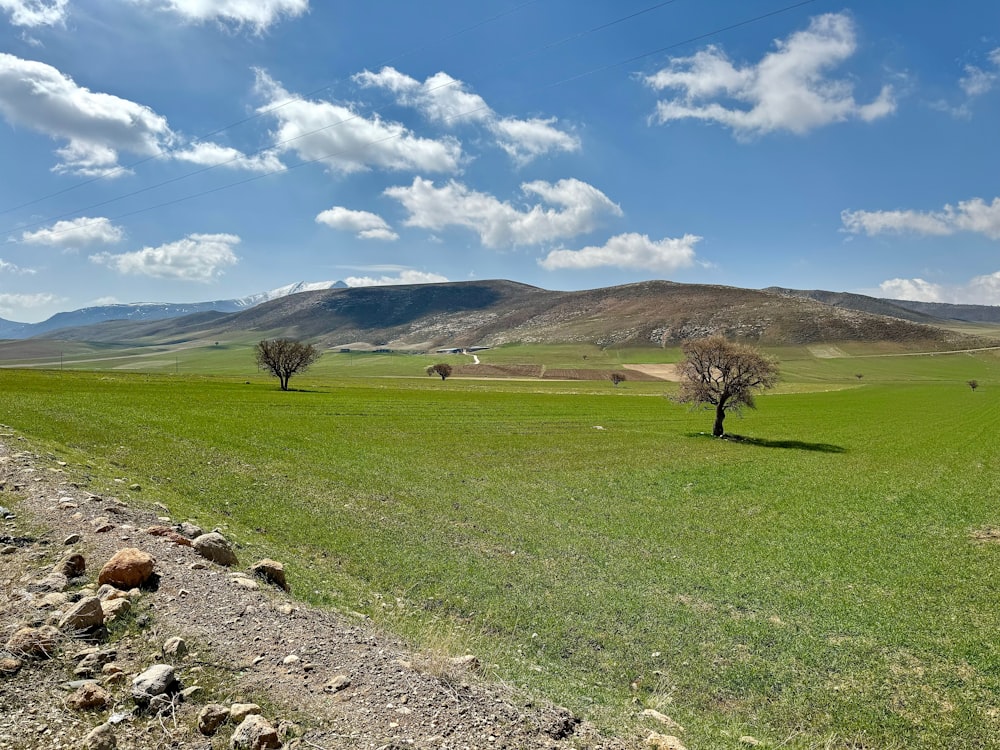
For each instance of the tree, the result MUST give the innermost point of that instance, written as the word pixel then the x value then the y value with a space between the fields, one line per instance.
pixel 726 375
pixel 285 357
pixel 444 370
pixel 973 384
pixel 859 375
pixel 617 377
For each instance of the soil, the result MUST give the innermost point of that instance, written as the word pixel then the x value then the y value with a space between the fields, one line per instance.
pixel 259 646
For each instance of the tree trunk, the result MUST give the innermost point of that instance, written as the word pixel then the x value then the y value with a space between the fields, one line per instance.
pixel 443 376
pixel 284 382
pixel 720 415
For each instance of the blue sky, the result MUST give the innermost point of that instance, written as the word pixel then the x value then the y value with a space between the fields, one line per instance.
pixel 186 150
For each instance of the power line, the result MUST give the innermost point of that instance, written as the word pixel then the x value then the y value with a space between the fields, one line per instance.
pixel 376 142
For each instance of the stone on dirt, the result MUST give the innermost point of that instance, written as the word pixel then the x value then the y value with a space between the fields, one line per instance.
pixel 38 642
pixel 211 717
pixel 168 533
pixel 10 666
pixel 158 680
pixel 88 697
pixel 71 566
pixel 254 733
pixel 239 711
pixel 213 546
pixel 101 738
pixel 175 647
pixel 86 613
pixel 127 568
pixel 664 742
pixel 271 571
pixel 115 609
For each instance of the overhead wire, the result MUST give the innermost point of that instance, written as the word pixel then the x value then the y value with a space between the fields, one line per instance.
pixel 325 157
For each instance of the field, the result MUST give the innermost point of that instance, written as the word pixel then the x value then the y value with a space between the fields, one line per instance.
pixel 817 584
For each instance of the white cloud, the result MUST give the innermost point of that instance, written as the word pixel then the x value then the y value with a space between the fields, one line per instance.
pixel 978 81
pixel 575 208
pixel 347 141
pixel 366 225
pixel 632 250
pixel 446 100
pixel 6 267
pixel 97 127
pixel 975 215
pixel 214 155
pixel 979 290
pixel 102 301
pixel 197 257
pixel 10 303
pixel 260 14
pixel 789 89
pixel 405 277
pixel 35 12
pixel 72 234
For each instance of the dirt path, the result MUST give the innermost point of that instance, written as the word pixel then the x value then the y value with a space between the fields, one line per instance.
pixel 663 372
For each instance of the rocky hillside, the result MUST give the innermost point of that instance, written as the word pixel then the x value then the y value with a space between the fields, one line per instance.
pixel 497 312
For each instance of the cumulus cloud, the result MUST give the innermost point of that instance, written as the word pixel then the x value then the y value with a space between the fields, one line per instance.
pixel 74 234
pixel 446 100
pixel 366 225
pixel 788 89
pixel 632 250
pixel 10 303
pixel 975 215
pixel 405 277
pixel 258 14
pixel 979 290
pixel 32 13
pixel 197 257
pixel 574 208
pixel 345 140
pixel 977 81
pixel 97 127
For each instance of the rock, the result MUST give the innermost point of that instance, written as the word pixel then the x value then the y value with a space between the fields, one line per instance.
pixel 8 550
pixel 664 742
pixel 86 613
pixel 71 566
pixel 254 733
pixel 168 533
pixel 245 583
pixel 55 600
pixel 127 568
pixel 38 642
pixel 211 717
pixel 92 659
pixel 651 713
pixel 271 571
pixel 189 530
pixel 158 680
pixel 194 691
pixel 54 581
pixel 10 666
pixel 746 739
pixel 88 697
pixel 468 661
pixel 338 683
pixel 239 711
pixel 288 729
pixel 115 609
pixel 6 513
pixel 135 487
pixel 290 660
pixel 101 738
pixel 71 539
pixel 213 546
pixel 175 647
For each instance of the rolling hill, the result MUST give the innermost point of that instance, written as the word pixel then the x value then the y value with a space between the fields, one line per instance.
pixel 919 312
pixel 497 312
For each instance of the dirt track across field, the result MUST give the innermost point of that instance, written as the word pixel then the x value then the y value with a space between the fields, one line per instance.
pixel 663 372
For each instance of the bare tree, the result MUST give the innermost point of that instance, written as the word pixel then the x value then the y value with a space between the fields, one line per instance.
pixel 859 375
pixel 285 357
pixel 726 375
pixel 444 370
pixel 973 384
pixel 617 377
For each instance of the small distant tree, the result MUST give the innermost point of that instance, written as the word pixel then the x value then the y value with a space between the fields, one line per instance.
pixel 285 357
pixel 444 370
pixel 617 377
pixel 716 372
pixel 858 375
pixel 430 370
pixel 973 384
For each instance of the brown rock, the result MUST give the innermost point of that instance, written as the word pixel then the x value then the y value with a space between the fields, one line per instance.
pixel 211 717
pixel 127 568
pixel 10 666
pixel 213 546
pixel 271 571
pixel 664 742
pixel 40 642
pixel 101 738
pixel 239 711
pixel 168 533
pixel 88 697
pixel 86 613
pixel 115 608
pixel 71 566
pixel 254 733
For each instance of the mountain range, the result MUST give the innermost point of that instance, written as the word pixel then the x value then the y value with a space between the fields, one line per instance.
pixel 490 313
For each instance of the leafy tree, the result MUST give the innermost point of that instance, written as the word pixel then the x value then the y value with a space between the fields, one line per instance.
pixel 726 375
pixel 285 357
pixel 859 375
pixel 973 384
pixel 444 370
pixel 430 370
pixel 617 377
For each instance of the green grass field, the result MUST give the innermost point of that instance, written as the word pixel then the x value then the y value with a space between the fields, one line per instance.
pixel 816 585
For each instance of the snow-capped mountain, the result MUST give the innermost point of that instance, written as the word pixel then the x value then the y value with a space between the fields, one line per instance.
pixel 10 329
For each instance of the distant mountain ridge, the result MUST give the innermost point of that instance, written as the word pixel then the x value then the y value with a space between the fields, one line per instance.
pixel 491 313
pixel 142 311
pixel 919 312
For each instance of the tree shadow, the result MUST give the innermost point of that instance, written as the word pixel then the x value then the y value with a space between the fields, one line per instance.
pixel 787 444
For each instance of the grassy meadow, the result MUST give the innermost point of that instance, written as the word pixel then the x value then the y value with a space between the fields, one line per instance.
pixel 814 585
